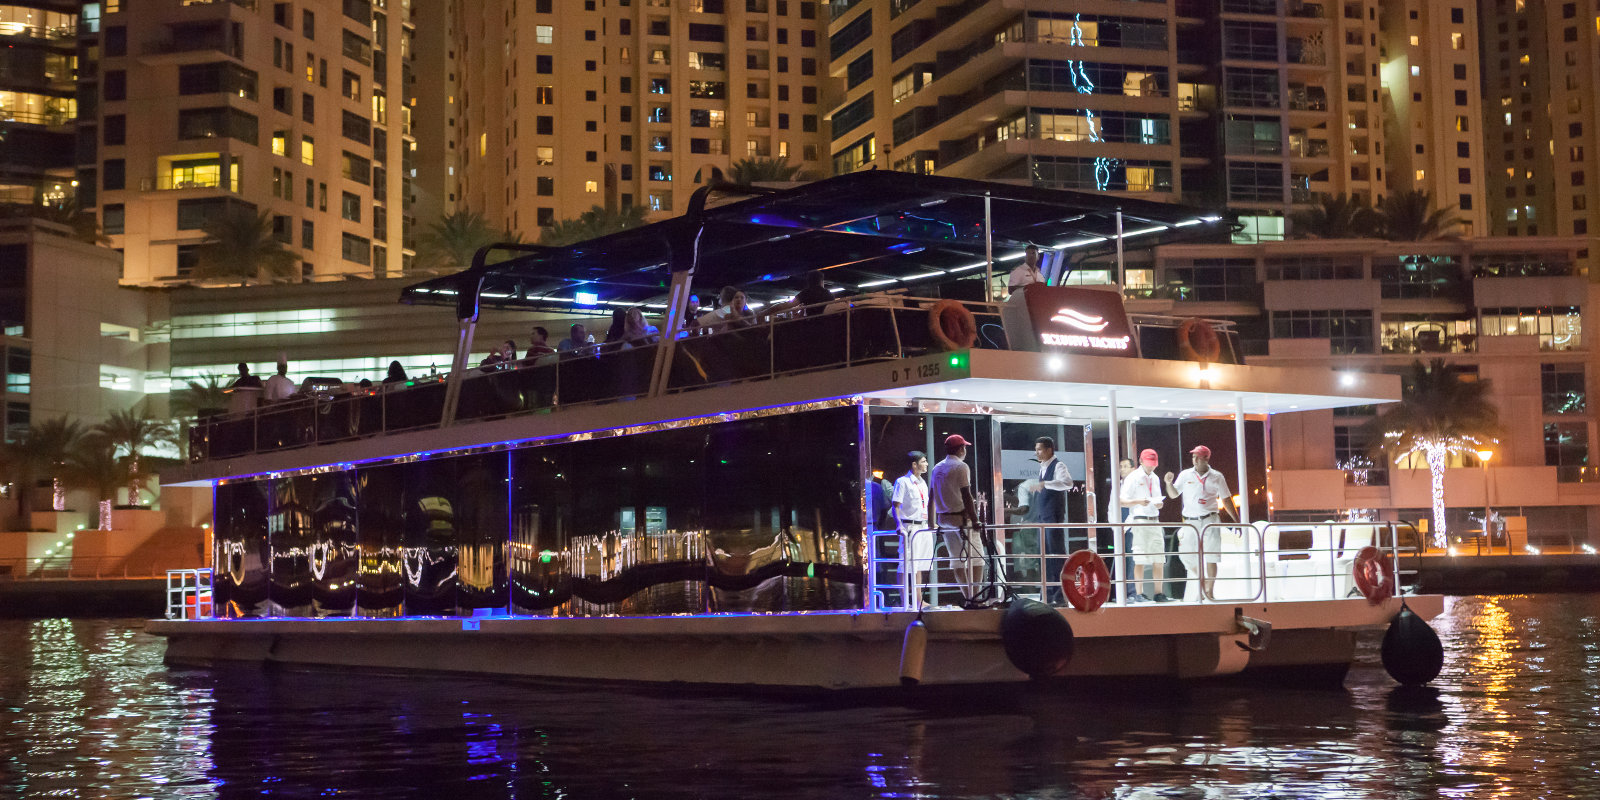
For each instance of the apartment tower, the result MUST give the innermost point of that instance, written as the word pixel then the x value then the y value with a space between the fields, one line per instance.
pixel 563 105
pixel 37 102
pixel 1258 105
pixel 1541 116
pixel 297 109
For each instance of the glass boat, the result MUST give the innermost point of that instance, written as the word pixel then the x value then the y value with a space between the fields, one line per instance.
pixel 704 504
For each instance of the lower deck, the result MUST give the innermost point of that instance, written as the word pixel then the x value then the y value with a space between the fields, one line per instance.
pixel 819 650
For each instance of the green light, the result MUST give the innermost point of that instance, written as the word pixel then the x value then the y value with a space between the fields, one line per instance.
pixel 546 556
pixel 958 360
pixel 811 570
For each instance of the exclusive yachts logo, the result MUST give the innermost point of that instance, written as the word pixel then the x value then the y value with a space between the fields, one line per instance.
pixel 1089 323
pixel 1080 320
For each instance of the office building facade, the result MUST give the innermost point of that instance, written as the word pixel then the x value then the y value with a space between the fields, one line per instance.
pixel 1507 310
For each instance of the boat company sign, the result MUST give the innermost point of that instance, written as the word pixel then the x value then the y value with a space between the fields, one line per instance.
pixel 1070 319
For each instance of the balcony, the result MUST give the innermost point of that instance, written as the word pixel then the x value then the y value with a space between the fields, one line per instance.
pixel 165 183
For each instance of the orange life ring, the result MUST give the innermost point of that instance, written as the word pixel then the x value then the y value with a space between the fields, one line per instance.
pixel 952 325
pixel 1197 341
pixel 1373 571
pixel 1086 581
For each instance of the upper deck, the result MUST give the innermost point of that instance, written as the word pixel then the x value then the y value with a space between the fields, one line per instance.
pixel 880 239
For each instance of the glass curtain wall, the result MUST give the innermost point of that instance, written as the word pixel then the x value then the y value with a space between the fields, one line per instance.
pixel 760 514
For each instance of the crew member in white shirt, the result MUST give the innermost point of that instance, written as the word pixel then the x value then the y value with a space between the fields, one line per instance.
pixel 956 514
pixel 1141 497
pixel 279 387
pixel 1205 493
pixel 909 505
pixel 1025 273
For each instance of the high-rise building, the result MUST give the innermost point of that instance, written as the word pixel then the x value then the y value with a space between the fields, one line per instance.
pixel 37 103
pixel 1540 116
pixel 296 109
pixel 1259 105
pixel 561 106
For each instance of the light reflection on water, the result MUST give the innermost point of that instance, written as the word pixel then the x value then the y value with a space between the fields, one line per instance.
pixel 87 710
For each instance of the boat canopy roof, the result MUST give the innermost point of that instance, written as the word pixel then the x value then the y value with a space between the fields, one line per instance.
pixel 866 231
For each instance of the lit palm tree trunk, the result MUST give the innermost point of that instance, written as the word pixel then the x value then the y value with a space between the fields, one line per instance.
pixel 1436 453
pixel 105 515
pixel 58 494
pixel 133 479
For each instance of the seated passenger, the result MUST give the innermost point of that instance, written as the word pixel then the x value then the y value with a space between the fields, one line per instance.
pixel 811 299
pixel 636 332
pixel 539 346
pixel 397 374
pixel 576 344
pixel 732 312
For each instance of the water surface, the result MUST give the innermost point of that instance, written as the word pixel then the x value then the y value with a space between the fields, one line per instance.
pixel 88 710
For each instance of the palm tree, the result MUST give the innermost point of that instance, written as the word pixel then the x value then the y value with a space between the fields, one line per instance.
pixel 42 451
pixel 1438 415
pixel 747 171
pixel 93 464
pixel 133 432
pixel 453 240
pixel 1336 217
pixel 240 244
pixel 210 392
pixel 596 222
pixel 1409 216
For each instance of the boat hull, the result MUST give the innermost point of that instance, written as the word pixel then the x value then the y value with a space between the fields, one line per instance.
pixel 813 651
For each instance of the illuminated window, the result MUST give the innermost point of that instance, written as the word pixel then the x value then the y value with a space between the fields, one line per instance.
pixel 1415 41
pixel 280 143
pixel 483 145
pixel 591 186
pixel 544 34
pixel 307 150
pixel 1457 42
pixel 545 156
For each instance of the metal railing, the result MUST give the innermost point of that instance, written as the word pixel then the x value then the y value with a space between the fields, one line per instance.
pixel 850 331
pixel 189 594
pixel 1255 562
pixel 847 332
pixel 80 568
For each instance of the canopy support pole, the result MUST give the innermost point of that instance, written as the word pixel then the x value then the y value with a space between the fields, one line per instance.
pixel 458 370
pixel 988 247
pixel 1238 445
pixel 1122 272
pixel 677 302
pixel 1114 507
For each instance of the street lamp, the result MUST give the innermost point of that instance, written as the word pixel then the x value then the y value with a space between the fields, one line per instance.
pixel 1484 457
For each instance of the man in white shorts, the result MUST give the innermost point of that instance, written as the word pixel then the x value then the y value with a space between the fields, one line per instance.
pixel 1141 496
pixel 1205 493
pixel 956 515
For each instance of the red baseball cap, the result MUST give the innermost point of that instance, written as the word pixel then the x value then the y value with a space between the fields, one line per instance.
pixel 1202 450
pixel 1149 457
pixel 954 440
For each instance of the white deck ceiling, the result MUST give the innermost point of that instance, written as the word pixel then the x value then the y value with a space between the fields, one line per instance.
pixel 1043 383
